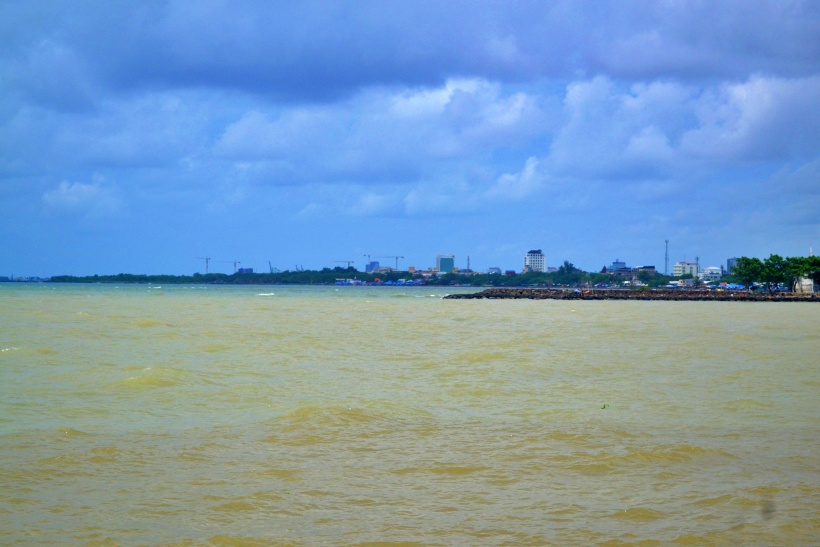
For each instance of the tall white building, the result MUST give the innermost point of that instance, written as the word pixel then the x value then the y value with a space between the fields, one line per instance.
pixel 684 268
pixel 534 261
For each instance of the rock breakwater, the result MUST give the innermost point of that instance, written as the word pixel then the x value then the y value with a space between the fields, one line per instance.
pixel 692 295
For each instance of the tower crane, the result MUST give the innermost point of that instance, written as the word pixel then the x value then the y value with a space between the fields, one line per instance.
pixel 392 256
pixel 234 262
pixel 206 259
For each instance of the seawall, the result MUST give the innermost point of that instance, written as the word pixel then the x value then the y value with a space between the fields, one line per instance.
pixel 604 294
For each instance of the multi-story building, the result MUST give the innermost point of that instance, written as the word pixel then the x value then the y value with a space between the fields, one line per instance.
pixel 445 263
pixel 685 268
pixel 712 273
pixel 534 261
pixel 617 265
pixel 730 264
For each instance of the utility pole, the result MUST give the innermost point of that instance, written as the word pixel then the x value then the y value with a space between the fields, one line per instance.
pixel 666 260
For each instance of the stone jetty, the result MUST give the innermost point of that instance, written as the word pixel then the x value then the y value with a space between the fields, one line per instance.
pixel 615 294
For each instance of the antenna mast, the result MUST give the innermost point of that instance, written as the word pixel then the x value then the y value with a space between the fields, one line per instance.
pixel 666 260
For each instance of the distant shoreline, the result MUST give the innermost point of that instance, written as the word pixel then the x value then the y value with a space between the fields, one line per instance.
pixel 660 295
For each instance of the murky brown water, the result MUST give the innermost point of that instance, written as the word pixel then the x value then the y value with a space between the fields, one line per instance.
pixel 267 415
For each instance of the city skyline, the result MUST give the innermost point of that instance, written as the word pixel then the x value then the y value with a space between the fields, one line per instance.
pixel 140 137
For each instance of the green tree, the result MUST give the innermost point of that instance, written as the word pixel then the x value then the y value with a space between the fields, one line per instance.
pixel 773 272
pixel 748 270
pixel 812 268
pixel 568 274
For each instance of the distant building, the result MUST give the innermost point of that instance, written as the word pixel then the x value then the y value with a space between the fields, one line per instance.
pixel 617 265
pixel 730 264
pixel 619 269
pixel 805 285
pixel 712 273
pixel 494 270
pixel 685 268
pixel 534 261
pixel 372 266
pixel 245 270
pixel 445 263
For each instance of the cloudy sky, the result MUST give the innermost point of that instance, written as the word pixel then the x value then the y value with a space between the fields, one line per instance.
pixel 138 136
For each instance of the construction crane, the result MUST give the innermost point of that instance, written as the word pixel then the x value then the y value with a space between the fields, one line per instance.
pixel 392 256
pixel 234 262
pixel 348 262
pixel 206 259
pixel 272 269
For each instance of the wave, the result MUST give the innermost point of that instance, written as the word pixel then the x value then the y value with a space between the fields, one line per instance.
pixel 154 378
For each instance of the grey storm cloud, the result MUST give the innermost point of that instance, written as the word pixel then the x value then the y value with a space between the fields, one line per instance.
pixel 324 50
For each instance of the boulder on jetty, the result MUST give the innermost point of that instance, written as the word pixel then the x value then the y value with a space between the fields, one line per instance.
pixel 577 294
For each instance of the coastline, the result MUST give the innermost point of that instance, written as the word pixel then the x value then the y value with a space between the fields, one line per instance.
pixel 663 295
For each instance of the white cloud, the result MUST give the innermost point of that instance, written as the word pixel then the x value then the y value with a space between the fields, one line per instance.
pixel 426 102
pixel 611 134
pixel 517 186
pixel 385 135
pixel 92 200
pixel 760 119
pixel 649 146
pixel 372 204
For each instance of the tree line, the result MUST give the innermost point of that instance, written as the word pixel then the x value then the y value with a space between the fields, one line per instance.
pixel 770 273
pixel 776 271
pixel 567 274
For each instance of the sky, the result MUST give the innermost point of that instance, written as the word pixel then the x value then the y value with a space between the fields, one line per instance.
pixel 142 137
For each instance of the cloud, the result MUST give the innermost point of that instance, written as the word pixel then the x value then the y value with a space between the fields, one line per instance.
pixel 92 200
pixel 386 135
pixel 53 75
pixel 337 114
pixel 761 119
pixel 372 204
pixel 71 54
pixel 517 186
pixel 609 133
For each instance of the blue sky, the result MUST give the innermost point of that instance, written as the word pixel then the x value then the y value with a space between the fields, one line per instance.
pixel 138 136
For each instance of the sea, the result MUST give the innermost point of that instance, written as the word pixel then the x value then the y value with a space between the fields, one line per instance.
pixel 296 415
